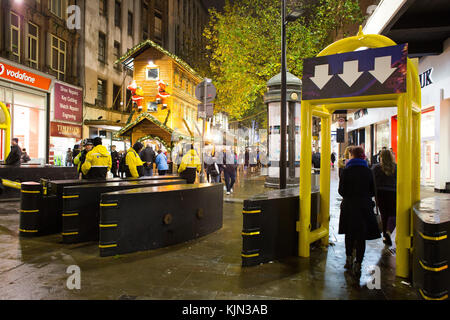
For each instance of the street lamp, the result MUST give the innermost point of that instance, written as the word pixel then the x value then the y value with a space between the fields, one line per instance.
pixel 284 20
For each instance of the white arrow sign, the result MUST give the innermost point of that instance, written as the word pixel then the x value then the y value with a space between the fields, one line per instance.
pixel 321 76
pixel 383 69
pixel 350 73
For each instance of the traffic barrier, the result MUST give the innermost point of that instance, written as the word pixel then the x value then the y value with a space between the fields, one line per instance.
pixel 151 218
pixel 431 249
pixel 51 202
pixel 29 208
pixel 269 225
pixel 81 206
pixel 31 172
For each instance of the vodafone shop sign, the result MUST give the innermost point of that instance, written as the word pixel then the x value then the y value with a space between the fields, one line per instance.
pixel 14 74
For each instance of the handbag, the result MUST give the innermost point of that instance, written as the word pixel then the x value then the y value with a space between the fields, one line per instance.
pixel 377 210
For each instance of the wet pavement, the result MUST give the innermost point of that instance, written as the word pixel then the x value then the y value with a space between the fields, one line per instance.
pixel 203 269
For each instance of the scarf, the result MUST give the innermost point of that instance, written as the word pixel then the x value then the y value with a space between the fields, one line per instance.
pixel 356 162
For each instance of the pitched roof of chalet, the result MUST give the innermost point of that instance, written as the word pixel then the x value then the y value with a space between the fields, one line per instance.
pixel 128 58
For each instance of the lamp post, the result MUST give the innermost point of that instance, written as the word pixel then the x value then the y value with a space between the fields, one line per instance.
pixel 284 20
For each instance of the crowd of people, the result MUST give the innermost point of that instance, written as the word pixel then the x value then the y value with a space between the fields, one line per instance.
pixel 359 183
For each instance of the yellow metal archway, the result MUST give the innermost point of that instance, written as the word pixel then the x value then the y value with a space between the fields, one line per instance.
pixel 5 124
pixel 408 174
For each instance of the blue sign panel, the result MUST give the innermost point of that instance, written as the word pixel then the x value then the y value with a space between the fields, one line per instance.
pixel 357 73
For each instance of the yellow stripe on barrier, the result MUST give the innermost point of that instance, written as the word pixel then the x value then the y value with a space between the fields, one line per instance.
pixel 253 211
pixel 250 255
pixel 71 197
pixel 28 231
pixel 108 204
pixel 70 214
pixel 69 233
pixel 108 225
pixel 107 246
pixel 251 233
pixel 29 211
pixel 432 269
pixel 27 191
pixel 429 298
pixel 433 238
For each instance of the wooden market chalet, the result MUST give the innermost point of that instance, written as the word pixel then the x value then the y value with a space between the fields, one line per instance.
pixel 163 94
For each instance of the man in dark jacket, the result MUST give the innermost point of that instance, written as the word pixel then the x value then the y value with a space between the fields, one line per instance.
pixel 148 157
pixel 15 154
pixel 357 220
pixel 316 160
pixel 115 161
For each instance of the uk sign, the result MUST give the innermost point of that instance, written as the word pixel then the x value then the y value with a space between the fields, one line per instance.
pixel 358 73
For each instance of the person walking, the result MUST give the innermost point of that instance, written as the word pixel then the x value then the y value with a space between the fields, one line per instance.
pixel 229 171
pixel 316 160
pixel 81 157
pixel 114 161
pixel 161 163
pixel 333 159
pixel 98 161
pixel 212 169
pixel 148 157
pixel 134 167
pixel 385 174
pixel 69 157
pixel 122 167
pixel 15 155
pixel 190 165
pixel 357 219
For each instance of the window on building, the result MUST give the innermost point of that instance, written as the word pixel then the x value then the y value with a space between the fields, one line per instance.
pixel 103 8
pixel 33 45
pixel 101 93
pixel 58 57
pixel 58 8
pixel 128 102
pixel 117 55
pixel 15 36
pixel 158 26
pixel 130 24
pixel 117 97
pixel 144 21
pixel 152 73
pixel 101 47
pixel 117 14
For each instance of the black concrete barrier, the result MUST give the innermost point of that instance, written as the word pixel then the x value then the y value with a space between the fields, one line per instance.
pixel 81 206
pixel 269 225
pixel 34 173
pixel 431 249
pixel 29 208
pixel 51 202
pixel 151 218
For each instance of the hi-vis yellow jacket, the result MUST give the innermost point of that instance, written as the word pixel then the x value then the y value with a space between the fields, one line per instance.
pixel 190 160
pixel 133 163
pixel 98 157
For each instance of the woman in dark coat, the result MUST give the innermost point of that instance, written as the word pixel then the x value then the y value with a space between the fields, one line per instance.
pixel 357 220
pixel 386 184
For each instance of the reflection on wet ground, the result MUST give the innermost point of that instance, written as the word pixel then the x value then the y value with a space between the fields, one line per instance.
pixel 206 268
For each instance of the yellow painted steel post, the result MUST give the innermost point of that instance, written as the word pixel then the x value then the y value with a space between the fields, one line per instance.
pixel 7 127
pixel 325 169
pixel 403 240
pixel 304 224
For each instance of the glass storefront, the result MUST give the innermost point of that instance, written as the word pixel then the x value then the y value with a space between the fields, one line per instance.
pixel 28 117
pixel 382 136
pixel 428 148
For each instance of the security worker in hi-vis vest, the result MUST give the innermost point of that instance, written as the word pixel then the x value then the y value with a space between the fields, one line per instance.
pixel 98 161
pixel 134 166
